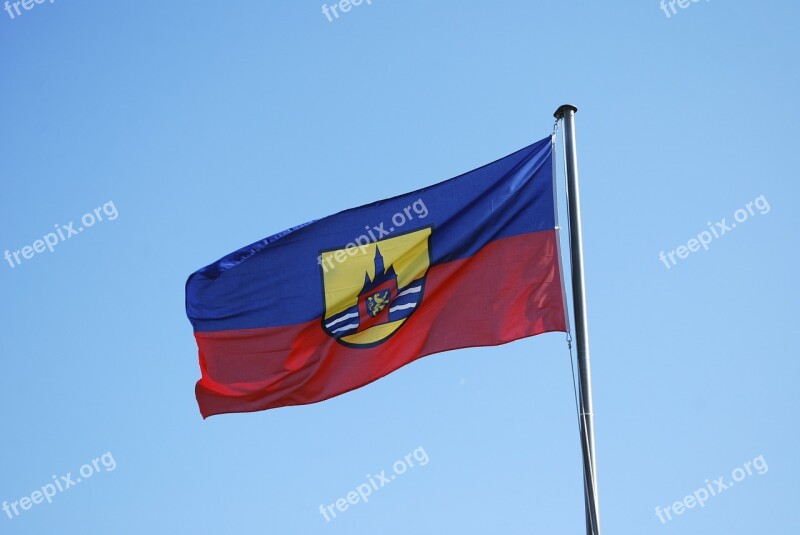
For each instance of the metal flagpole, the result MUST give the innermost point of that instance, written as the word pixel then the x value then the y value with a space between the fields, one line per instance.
pixel 567 113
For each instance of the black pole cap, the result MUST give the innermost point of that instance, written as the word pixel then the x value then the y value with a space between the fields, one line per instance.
pixel 563 109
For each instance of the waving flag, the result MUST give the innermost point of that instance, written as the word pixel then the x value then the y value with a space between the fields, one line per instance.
pixel 332 305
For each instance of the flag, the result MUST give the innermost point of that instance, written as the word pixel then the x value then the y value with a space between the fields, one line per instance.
pixel 332 305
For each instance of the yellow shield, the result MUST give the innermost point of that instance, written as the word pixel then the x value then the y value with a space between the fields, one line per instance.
pixel 372 289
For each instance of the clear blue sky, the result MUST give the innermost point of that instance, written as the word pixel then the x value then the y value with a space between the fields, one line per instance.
pixel 210 125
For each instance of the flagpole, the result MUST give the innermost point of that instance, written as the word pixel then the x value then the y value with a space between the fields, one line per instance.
pixel 567 113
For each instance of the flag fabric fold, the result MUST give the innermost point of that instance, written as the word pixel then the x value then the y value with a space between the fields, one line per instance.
pixel 332 305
